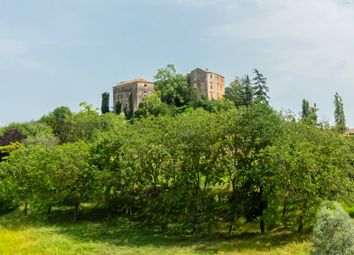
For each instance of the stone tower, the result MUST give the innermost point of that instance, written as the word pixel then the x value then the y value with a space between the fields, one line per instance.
pixel 210 84
pixel 129 94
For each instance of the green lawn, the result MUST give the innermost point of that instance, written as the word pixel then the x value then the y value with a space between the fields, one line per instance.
pixel 29 235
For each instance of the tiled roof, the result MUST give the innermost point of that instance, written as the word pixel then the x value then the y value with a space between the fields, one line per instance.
pixel 207 71
pixel 142 80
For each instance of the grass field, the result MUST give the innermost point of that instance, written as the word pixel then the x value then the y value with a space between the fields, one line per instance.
pixel 30 235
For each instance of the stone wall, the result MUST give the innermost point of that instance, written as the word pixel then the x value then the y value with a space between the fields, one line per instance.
pixel 135 90
pixel 210 84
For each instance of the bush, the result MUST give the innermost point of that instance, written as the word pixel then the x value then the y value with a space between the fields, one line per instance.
pixel 334 231
pixel 350 210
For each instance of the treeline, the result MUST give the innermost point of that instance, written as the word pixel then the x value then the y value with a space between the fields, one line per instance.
pixel 192 171
pixel 174 95
pixel 178 165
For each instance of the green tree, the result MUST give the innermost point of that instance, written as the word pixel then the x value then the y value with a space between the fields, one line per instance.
pixel 173 86
pixel 306 166
pixel 235 91
pixel 69 178
pixel 152 106
pixel 248 91
pixel 105 103
pixel 309 113
pixel 218 105
pixel 255 130
pixel 260 88
pixel 85 124
pixel 196 152
pixel 339 114
pixel 9 199
pixel 305 109
pixel 61 122
pixel 26 167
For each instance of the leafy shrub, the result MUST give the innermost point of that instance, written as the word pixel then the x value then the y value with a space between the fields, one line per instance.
pixel 334 231
pixel 349 210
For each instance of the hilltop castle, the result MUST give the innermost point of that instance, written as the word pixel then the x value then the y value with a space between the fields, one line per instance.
pixel 210 84
pixel 128 95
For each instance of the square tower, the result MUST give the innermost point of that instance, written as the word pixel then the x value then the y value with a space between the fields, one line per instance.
pixel 210 84
pixel 129 94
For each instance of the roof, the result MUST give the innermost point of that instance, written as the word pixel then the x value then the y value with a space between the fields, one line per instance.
pixel 207 71
pixel 350 131
pixel 140 80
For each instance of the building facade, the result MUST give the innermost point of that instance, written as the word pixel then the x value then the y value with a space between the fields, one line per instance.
pixel 210 84
pixel 128 95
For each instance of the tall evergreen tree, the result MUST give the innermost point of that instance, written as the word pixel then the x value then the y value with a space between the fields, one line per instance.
pixel 105 103
pixel 260 88
pixel 305 109
pixel 339 114
pixel 247 91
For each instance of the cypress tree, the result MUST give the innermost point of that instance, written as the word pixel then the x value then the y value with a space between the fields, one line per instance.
pixel 105 103
pixel 305 109
pixel 339 114
pixel 247 91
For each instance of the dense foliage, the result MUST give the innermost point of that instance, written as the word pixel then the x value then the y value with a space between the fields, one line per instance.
pixel 195 170
pixel 180 161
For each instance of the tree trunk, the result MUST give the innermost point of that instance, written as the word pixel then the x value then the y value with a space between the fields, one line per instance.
pixel 164 227
pixel 261 224
pixel 284 211
pixel 301 225
pixel 231 226
pixel 194 228
pixel 25 210
pixel 301 220
pixel 49 212
pixel 195 209
pixel 76 211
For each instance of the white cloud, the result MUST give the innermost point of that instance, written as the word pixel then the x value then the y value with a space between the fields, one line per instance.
pixel 300 19
pixel 308 45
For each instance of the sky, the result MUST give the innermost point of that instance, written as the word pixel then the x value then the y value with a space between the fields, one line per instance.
pixel 63 52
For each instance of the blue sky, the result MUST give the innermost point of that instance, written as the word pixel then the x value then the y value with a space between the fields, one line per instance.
pixel 63 52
